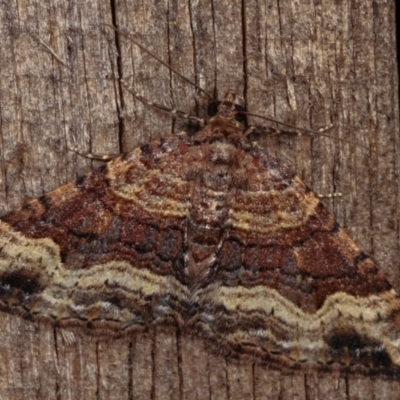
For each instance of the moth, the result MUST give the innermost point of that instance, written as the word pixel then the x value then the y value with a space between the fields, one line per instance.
pixel 210 234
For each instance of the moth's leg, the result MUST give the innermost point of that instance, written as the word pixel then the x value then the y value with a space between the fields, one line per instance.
pixel 173 112
pixel 108 157
pixel 99 157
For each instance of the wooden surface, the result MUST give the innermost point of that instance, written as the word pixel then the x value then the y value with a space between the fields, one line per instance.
pixel 303 62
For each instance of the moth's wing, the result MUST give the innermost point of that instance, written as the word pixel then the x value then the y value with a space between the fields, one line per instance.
pixel 291 286
pixel 103 251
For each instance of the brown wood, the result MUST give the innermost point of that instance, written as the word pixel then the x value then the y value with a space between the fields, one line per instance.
pixel 306 63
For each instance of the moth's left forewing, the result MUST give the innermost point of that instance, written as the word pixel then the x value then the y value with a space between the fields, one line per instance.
pixel 102 252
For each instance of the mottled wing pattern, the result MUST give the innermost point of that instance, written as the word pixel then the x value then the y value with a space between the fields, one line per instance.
pixel 213 235
pixel 291 286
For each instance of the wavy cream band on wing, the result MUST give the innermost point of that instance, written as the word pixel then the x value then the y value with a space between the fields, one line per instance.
pixel 369 316
pixel 42 257
pixel 251 213
pixel 137 285
pixel 40 260
pixel 152 191
pixel 36 256
pixel 166 204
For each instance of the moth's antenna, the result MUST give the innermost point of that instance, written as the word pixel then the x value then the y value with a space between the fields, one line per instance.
pixel 296 128
pixel 320 132
pixel 159 60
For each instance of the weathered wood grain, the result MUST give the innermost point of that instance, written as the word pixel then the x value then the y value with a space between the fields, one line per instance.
pixel 306 63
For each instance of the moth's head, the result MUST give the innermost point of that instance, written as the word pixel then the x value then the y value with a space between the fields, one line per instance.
pixel 227 109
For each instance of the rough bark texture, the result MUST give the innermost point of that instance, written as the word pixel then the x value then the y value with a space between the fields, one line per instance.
pixel 307 63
